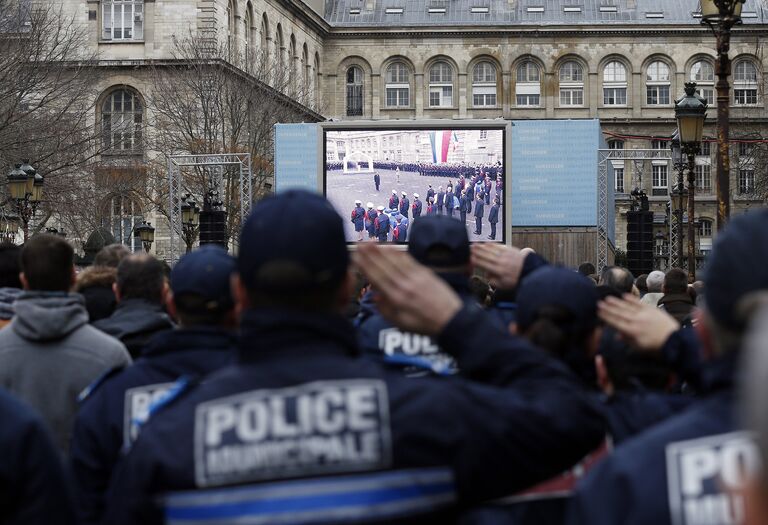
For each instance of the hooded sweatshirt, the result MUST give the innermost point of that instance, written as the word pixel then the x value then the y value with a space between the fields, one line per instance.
pixel 49 354
pixel 7 297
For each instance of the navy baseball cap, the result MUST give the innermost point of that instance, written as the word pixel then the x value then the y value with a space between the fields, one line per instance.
pixel 737 267
pixel 439 241
pixel 205 274
pixel 554 286
pixel 292 241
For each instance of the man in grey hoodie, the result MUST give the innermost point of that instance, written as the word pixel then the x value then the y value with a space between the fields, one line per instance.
pixel 49 353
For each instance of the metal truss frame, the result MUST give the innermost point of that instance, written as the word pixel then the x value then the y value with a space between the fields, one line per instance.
pixel 639 158
pixel 216 163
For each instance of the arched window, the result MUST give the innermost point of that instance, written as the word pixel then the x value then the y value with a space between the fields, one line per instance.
pixel 230 25
pixel 614 84
pixel 528 85
pixel 441 85
pixel 280 72
pixel 354 91
pixel 248 33
pixel 398 85
pixel 703 73
pixel 657 84
pixel 264 49
pixel 121 216
pixel 484 85
pixel 745 83
pixel 122 19
pixel 294 77
pixel 316 81
pixel 121 121
pixel 571 84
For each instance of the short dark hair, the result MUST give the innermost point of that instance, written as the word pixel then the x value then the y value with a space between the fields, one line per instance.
pixel 47 262
pixel 10 265
pixel 641 283
pixel 141 277
pixel 618 278
pixel 111 255
pixel 587 268
pixel 480 289
pixel 676 281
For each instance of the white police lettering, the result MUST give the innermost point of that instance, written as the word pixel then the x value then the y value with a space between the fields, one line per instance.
pixel 312 428
pixel 392 341
pixel 136 408
pixel 702 475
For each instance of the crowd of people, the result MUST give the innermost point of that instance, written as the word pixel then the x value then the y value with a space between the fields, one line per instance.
pixel 449 383
pixel 390 223
pixel 451 170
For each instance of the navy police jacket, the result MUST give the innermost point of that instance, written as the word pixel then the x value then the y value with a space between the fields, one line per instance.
pixel 305 429
pixel 110 416
pixel 683 471
pixel 33 485
pixel 493 215
pixel 358 218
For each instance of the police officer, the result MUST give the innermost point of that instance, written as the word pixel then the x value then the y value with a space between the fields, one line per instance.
pixel 430 193
pixel 303 425
pixel 431 206
pixel 376 180
pixel 394 200
pixel 470 196
pixel 479 212
pixel 358 219
pixel 381 225
pixel 370 220
pixel 404 205
pixel 416 206
pixel 691 468
pixel 493 217
pixel 463 206
pixel 487 190
pixel 449 201
pixel 400 233
pixel 440 200
pixel 113 410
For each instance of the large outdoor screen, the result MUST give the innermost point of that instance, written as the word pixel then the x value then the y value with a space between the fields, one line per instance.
pixel 403 174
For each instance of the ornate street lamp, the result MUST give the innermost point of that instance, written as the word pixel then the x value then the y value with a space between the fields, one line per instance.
pixel 25 186
pixel 690 112
pixel 190 220
pixel 721 16
pixel 146 233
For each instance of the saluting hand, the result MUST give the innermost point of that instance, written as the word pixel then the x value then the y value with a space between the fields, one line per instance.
pixel 642 325
pixel 502 264
pixel 400 296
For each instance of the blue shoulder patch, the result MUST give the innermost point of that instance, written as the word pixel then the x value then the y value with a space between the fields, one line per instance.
pixel 90 389
pixel 182 385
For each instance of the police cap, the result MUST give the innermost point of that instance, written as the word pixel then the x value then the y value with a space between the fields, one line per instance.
pixel 439 241
pixel 200 281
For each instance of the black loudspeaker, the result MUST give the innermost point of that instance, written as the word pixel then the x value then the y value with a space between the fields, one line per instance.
pixel 640 242
pixel 213 227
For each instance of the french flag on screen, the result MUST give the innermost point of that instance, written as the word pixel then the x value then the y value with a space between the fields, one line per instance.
pixel 441 142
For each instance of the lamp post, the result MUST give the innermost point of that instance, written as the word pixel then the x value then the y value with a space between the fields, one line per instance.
pixel 26 188
pixel 690 112
pixel 146 233
pixel 190 220
pixel 721 16
pixel 678 193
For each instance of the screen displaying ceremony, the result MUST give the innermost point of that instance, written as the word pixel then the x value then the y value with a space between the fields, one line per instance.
pixel 382 180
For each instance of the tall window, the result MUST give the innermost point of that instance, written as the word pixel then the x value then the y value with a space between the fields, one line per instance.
pixel 398 87
pixel 484 85
pixel 745 84
pixel 247 34
pixel 306 71
pixel 264 49
pixel 659 144
pixel 528 85
pixel 703 178
pixel 121 121
pixel 122 19
pixel 615 84
pixel 354 91
pixel 280 73
pixel 230 25
pixel 122 215
pixel 292 78
pixel 660 179
pixel 746 180
pixel 441 85
pixel 615 144
pixel 571 84
pixel 705 228
pixel 703 73
pixel 619 174
pixel 706 148
pixel 657 84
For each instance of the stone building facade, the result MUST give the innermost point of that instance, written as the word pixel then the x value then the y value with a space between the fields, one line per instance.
pixel 622 61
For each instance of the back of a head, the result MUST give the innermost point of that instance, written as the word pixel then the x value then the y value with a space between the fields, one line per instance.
pixel 440 242
pixel 617 278
pixel 736 272
pixel 47 262
pixel 10 266
pixel 141 276
pixel 111 255
pixel 480 289
pixel 676 281
pixel 200 283
pixel 655 281
pixel 303 275
pixel 586 269
pixel 642 284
